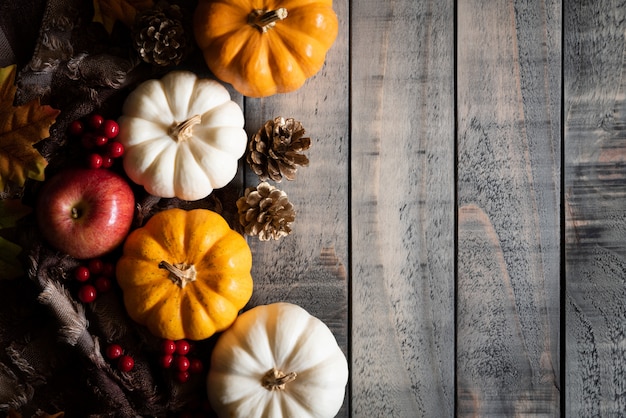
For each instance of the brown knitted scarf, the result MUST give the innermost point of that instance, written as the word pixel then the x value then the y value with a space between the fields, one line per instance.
pixel 50 344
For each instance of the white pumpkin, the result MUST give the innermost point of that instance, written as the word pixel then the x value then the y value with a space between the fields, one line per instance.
pixel 277 360
pixel 182 135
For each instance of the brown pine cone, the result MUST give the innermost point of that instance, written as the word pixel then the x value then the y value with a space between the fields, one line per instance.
pixel 275 150
pixel 159 36
pixel 266 212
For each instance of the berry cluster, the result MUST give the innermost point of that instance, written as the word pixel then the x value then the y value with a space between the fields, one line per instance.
pixel 176 355
pixel 97 136
pixel 94 277
pixel 115 352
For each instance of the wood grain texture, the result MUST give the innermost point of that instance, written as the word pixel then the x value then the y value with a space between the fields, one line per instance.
pixel 595 198
pixel 508 91
pixel 310 266
pixel 402 208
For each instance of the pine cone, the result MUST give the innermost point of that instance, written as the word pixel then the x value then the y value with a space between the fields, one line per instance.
pixel 274 151
pixel 159 36
pixel 266 212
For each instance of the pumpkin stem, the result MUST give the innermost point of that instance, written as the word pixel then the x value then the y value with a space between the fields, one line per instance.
pixel 180 273
pixel 276 379
pixel 184 130
pixel 266 19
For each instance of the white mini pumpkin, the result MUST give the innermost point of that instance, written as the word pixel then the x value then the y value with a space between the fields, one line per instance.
pixel 277 360
pixel 182 135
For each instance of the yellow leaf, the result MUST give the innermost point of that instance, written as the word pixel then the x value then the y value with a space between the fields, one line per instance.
pixel 20 128
pixel 108 12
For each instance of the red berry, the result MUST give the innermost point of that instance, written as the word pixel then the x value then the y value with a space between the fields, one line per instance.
pixel 182 363
pixel 76 128
pixel 114 351
pixel 107 161
pixel 94 160
pixel 182 377
pixel 125 363
pixel 81 274
pixel 103 284
pixel 110 128
pixel 168 347
pixel 166 361
pixel 95 121
pixel 182 347
pixel 115 149
pixel 195 366
pixel 95 266
pixel 100 140
pixel 87 293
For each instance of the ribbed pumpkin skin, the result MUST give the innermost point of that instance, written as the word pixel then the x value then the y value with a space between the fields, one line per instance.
pixel 285 337
pixel 169 160
pixel 211 303
pixel 260 64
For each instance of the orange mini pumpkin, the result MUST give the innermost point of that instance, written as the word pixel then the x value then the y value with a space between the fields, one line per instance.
pixel 263 47
pixel 185 274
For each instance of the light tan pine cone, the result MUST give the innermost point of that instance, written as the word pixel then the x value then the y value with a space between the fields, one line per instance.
pixel 266 212
pixel 276 149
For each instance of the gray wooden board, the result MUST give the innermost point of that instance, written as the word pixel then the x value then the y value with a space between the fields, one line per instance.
pixel 508 90
pixel 595 198
pixel 402 208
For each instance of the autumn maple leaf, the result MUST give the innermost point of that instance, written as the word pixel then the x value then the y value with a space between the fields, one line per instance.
pixel 20 128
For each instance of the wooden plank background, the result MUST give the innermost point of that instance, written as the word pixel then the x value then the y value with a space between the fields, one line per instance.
pixel 402 208
pixel 595 193
pixel 461 225
pixel 508 208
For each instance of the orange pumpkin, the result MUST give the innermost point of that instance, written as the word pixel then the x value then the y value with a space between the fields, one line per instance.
pixel 185 274
pixel 263 47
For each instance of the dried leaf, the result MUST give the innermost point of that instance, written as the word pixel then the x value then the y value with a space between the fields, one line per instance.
pixel 10 211
pixel 20 128
pixel 108 12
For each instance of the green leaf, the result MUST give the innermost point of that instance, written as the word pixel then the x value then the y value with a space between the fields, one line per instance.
pixel 10 267
pixel 10 211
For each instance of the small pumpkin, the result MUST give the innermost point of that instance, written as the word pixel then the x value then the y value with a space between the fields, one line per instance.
pixel 185 274
pixel 182 135
pixel 277 360
pixel 264 47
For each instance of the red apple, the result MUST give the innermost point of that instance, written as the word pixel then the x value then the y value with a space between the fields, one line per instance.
pixel 85 212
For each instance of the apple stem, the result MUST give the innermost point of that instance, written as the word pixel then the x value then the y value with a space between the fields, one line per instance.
pixel 180 273
pixel 75 213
